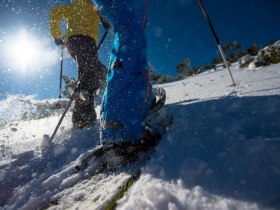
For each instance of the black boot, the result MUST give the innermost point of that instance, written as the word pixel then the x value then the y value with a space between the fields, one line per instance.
pixel 84 114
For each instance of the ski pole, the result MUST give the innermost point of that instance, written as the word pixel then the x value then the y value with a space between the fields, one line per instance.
pixel 73 94
pixel 216 39
pixel 61 68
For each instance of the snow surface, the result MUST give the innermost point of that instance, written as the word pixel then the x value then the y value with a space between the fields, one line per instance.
pixel 221 152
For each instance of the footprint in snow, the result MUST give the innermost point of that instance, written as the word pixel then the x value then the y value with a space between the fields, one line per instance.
pixel 14 129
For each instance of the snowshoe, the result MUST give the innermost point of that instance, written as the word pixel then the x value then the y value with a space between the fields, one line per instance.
pixel 122 153
pixel 116 155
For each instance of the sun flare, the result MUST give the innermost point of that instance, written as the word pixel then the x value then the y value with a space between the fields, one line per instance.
pixel 25 52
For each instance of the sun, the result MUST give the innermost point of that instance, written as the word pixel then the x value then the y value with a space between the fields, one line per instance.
pixel 22 51
pixel 26 53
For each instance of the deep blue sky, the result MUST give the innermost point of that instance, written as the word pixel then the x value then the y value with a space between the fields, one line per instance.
pixel 176 29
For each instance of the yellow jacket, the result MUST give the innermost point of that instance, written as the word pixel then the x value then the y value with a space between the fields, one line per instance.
pixel 81 19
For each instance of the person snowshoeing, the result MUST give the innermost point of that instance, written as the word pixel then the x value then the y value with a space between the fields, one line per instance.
pixel 80 39
pixel 128 95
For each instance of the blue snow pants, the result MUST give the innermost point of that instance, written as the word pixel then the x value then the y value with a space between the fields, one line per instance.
pixel 128 95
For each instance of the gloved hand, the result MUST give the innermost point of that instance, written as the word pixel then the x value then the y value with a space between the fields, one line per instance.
pixel 60 43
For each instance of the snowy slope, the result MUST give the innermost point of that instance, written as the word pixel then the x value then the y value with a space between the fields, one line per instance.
pixel 221 152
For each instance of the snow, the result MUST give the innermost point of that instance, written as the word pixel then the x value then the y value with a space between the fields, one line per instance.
pixel 221 151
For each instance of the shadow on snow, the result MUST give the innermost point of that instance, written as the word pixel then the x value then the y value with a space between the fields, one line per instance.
pixel 229 147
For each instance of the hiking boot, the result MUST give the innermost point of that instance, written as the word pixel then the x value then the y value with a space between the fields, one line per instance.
pixel 84 114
